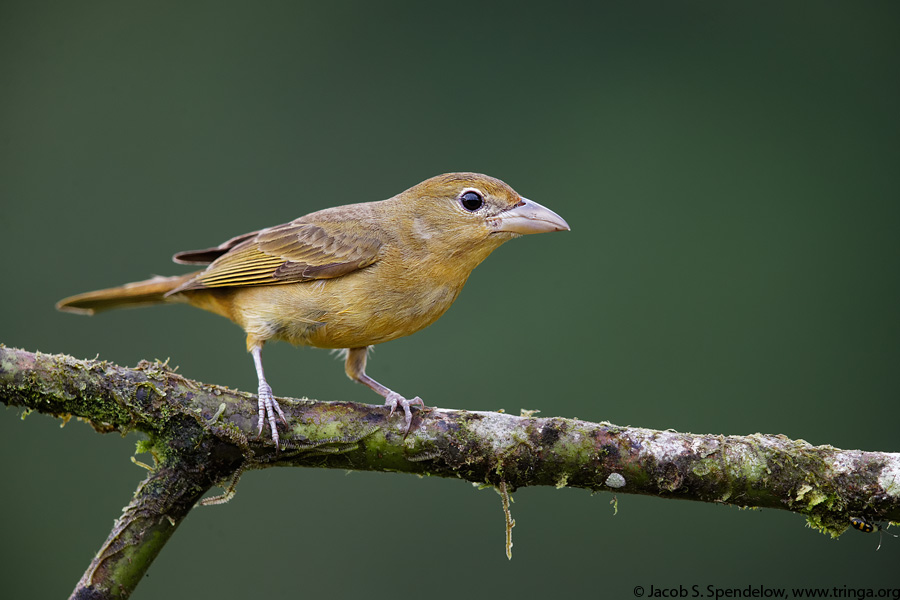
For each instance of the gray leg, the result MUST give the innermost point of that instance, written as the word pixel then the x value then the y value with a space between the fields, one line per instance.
pixel 355 368
pixel 268 406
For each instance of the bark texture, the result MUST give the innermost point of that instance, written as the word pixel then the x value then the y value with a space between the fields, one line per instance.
pixel 202 435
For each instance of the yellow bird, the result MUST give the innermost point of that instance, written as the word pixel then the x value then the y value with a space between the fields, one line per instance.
pixel 347 277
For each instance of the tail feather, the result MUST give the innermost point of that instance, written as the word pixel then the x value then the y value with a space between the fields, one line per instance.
pixel 140 293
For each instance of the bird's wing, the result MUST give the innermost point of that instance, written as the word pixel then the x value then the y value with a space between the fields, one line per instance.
pixel 208 255
pixel 290 253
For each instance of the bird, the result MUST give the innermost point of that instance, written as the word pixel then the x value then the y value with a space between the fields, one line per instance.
pixel 345 278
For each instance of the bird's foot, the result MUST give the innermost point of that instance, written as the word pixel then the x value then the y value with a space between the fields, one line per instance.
pixel 268 406
pixel 395 401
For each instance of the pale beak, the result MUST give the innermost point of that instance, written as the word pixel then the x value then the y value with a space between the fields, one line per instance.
pixel 529 217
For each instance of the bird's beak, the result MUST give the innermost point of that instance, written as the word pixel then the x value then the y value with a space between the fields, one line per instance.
pixel 529 217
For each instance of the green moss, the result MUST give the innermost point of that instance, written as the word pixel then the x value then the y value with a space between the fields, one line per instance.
pixel 131 564
pixel 827 524
pixel 704 467
pixel 815 498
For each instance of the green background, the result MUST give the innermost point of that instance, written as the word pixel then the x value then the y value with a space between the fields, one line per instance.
pixel 730 172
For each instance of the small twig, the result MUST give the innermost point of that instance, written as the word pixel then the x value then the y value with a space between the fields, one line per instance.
pixel 510 522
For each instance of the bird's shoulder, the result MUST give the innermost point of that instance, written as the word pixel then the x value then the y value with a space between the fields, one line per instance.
pixel 321 245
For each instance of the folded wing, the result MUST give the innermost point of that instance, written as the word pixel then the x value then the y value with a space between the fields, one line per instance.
pixel 290 253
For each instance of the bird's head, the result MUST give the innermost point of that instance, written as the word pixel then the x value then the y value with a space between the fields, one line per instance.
pixel 470 213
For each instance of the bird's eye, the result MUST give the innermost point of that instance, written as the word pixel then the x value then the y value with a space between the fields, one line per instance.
pixel 471 201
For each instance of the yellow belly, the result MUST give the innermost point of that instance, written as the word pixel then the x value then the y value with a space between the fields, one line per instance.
pixel 346 312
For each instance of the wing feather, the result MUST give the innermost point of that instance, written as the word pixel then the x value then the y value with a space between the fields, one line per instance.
pixel 208 255
pixel 290 253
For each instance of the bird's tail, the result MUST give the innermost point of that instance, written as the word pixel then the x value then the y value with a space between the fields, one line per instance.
pixel 140 293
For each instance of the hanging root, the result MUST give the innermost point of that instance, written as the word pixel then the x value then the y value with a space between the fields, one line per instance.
pixel 510 522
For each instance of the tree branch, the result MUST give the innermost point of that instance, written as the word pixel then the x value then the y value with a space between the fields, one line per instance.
pixel 201 435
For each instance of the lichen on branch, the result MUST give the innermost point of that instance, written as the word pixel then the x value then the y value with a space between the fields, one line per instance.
pixel 484 447
pixel 206 434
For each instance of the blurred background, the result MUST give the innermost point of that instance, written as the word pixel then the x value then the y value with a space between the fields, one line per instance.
pixel 731 176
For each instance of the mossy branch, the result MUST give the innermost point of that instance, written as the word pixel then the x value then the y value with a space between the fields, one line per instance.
pixel 202 435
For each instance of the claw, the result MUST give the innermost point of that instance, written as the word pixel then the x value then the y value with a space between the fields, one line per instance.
pixel 355 367
pixel 394 400
pixel 268 407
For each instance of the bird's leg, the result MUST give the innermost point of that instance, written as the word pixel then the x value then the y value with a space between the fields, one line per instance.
pixel 268 406
pixel 355 368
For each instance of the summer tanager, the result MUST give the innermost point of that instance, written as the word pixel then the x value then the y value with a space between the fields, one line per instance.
pixel 346 277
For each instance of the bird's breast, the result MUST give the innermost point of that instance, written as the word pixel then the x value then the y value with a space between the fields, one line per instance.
pixel 367 307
